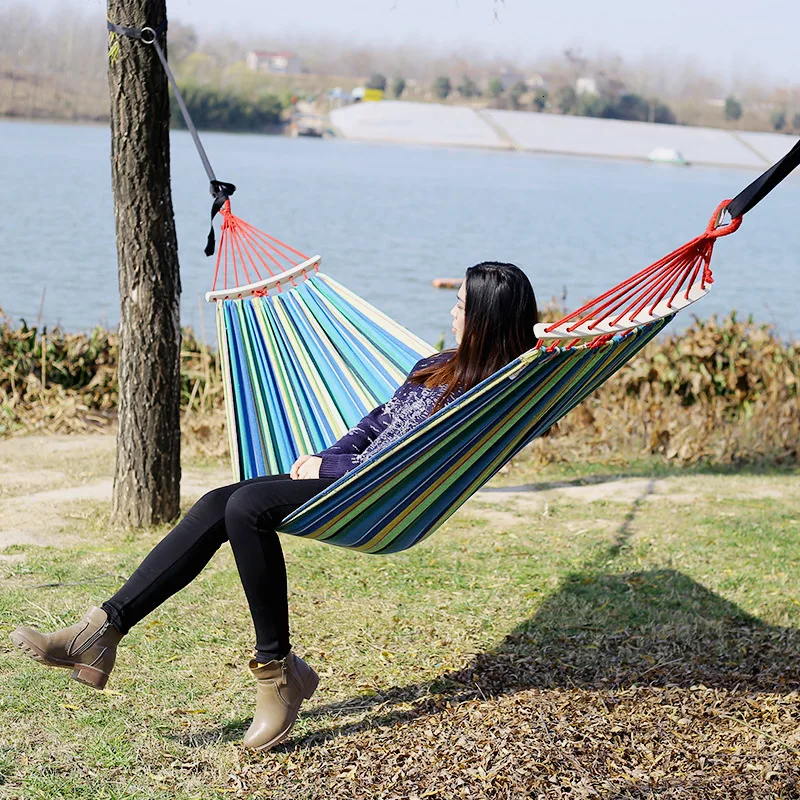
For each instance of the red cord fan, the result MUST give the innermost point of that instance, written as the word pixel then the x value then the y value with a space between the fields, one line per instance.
pixel 673 282
pixel 253 262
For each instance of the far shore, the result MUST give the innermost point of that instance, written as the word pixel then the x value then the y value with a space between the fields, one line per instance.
pixel 393 122
pixel 464 127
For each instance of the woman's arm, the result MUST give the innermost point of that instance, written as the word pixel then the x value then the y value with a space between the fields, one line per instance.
pixel 341 456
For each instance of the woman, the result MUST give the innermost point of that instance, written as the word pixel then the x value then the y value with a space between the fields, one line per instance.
pixel 493 323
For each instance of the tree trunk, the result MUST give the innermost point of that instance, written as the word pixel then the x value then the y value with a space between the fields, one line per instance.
pixel 148 470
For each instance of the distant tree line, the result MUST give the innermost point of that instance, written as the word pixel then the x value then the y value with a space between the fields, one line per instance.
pixel 220 109
pixel 625 105
pixel 778 119
pixel 565 100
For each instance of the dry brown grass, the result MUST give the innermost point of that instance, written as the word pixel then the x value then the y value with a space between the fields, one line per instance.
pixel 56 382
pixel 725 391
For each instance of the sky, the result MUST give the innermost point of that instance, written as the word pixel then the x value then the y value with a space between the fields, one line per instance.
pixel 737 37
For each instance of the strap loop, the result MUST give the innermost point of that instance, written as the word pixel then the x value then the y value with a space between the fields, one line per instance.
pixel 715 227
pixel 221 193
pixel 138 33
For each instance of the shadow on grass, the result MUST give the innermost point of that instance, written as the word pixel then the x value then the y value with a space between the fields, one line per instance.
pixel 599 631
pixel 602 632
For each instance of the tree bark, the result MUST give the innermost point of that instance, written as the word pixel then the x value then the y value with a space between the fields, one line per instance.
pixel 148 470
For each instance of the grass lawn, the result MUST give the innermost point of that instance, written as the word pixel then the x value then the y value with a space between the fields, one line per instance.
pixel 598 631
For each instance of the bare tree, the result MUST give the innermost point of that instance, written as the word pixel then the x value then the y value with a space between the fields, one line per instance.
pixel 148 471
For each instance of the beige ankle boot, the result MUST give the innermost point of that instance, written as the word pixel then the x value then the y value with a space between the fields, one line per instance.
pixel 88 647
pixel 282 687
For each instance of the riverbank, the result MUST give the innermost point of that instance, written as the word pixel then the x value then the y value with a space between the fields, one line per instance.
pixel 461 126
pixel 722 392
pixel 448 125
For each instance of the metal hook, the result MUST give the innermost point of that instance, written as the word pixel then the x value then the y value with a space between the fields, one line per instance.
pixel 721 216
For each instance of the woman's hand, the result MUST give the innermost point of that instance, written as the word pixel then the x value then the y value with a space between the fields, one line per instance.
pixel 306 467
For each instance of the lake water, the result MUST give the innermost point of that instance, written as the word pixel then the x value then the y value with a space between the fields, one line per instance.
pixel 387 219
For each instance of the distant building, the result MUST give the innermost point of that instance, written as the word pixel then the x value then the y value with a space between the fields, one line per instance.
pixel 586 86
pixel 536 81
pixel 276 63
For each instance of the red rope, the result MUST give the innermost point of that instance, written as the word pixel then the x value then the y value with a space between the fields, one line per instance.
pixel 256 253
pixel 649 287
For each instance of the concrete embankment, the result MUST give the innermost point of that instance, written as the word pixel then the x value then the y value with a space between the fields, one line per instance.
pixel 459 126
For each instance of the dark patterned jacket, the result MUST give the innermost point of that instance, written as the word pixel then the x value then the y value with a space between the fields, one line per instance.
pixel 404 410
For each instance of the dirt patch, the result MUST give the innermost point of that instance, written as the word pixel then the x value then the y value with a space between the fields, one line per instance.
pixel 13 481
pixel 33 513
pixel 39 463
pixel 56 443
pixel 675 490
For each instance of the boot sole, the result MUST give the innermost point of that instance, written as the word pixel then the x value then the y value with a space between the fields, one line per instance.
pixel 308 691
pixel 83 673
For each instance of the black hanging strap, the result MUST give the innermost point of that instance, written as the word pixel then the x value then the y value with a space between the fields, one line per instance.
pixel 220 190
pixel 763 185
pixel 146 35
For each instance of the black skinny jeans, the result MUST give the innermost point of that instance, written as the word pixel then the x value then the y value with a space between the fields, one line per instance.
pixel 245 514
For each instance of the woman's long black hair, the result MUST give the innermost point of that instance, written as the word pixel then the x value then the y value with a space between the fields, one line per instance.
pixel 499 315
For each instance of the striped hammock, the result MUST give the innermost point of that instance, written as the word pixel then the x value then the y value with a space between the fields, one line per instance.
pixel 400 496
pixel 303 366
pixel 304 359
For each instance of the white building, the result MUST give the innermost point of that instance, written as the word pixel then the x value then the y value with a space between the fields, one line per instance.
pixel 276 63
pixel 536 81
pixel 586 86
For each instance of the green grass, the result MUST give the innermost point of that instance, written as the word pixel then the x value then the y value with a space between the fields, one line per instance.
pixel 691 582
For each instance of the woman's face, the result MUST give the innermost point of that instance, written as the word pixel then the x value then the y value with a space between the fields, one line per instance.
pixel 457 313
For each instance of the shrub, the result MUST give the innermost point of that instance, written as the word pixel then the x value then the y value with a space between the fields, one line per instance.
pixel 216 109
pixel 442 87
pixel 724 391
pixel 377 81
pixel 566 100
pixel 778 120
pixel 495 88
pixel 468 88
pixel 733 109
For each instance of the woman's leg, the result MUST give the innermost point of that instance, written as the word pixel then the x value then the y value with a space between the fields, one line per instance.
pixel 178 558
pixel 251 515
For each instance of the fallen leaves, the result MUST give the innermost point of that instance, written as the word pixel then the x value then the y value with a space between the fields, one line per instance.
pixel 638 742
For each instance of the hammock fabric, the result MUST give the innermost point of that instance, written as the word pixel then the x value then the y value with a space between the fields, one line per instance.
pixel 304 359
pixel 303 364
pixel 400 496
